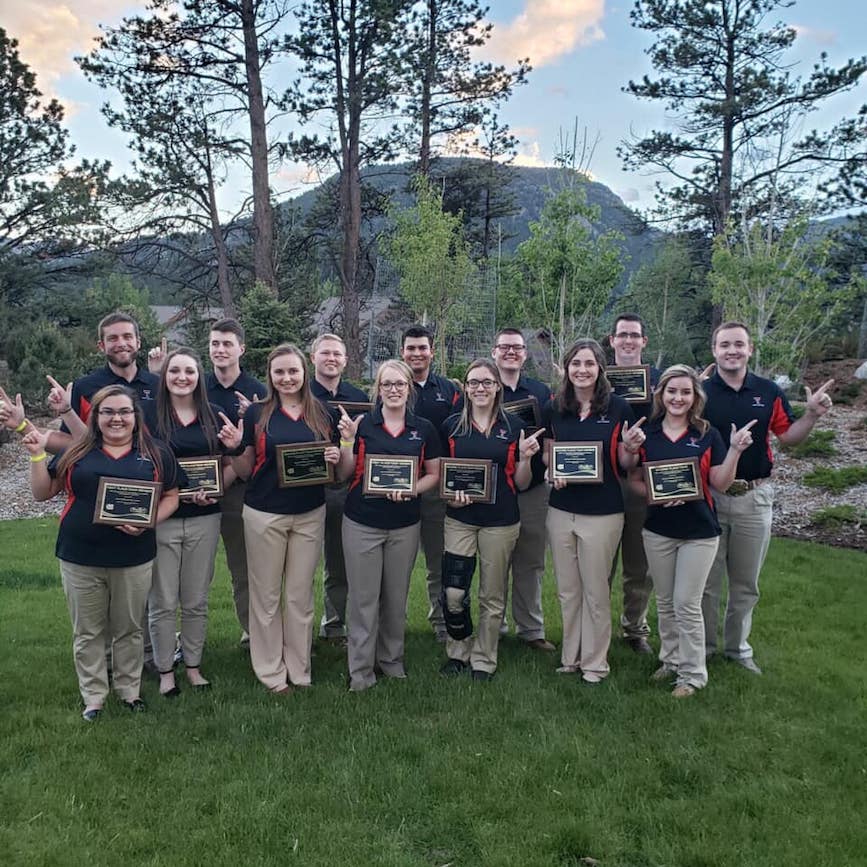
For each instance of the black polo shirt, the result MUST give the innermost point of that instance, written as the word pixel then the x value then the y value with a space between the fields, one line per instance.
pixel 226 399
pixel 501 447
pixel 81 541
pixel 529 387
pixel 757 398
pixel 697 518
pixel 263 492
pixel 605 498
pixel 190 441
pixel 144 384
pixel 345 391
pixel 646 409
pixel 437 399
pixel 418 438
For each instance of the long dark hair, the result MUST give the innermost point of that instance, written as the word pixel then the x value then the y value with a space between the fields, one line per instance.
pixel 142 441
pixel 315 416
pixel 694 417
pixel 566 400
pixel 166 418
pixel 465 422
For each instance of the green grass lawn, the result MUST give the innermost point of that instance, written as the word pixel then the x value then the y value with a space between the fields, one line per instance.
pixel 531 769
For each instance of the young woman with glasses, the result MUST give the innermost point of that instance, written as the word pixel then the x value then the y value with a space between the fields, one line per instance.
pixel 482 430
pixel 106 569
pixel 283 526
pixel 381 533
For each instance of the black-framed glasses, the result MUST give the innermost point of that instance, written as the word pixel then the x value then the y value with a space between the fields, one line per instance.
pixel 510 347
pixel 125 412
pixel 474 384
pixel 398 385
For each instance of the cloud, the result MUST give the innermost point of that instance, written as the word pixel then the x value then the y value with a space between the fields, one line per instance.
pixel 50 33
pixel 630 194
pixel 815 34
pixel 530 154
pixel 547 30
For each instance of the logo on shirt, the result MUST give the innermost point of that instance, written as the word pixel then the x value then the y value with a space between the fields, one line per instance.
pixel 757 400
pixel 440 398
pixel 413 436
pixel 693 443
pixel 144 459
pixel 501 434
pixel 603 419
pixel 146 394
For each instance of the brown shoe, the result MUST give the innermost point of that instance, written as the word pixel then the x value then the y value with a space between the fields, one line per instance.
pixel 639 645
pixel 684 691
pixel 541 644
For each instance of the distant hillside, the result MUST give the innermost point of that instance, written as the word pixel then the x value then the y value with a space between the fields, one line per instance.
pixel 530 187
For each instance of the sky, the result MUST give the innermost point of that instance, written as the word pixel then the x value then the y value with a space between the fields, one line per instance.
pixel 582 51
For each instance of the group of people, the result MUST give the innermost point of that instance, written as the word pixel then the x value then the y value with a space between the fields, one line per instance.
pixel 127 585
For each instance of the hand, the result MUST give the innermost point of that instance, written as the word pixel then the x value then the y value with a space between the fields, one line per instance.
pixel 201 498
pixel 819 401
pixel 59 398
pixel 399 496
pixel 130 529
pixel 673 504
pixel 230 435
pixel 559 484
pixel 462 498
pixel 346 425
pixel 529 446
pixel 35 441
pixel 332 455
pixel 244 403
pixel 11 412
pixel 157 356
pixel 707 373
pixel 741 440
pixel 633 437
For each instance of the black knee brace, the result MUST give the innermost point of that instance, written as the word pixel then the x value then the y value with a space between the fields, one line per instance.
pixel 457 574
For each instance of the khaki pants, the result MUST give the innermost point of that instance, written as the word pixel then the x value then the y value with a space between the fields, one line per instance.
pixel 680 568
pixel 333 623
pixel 232 531
pixel 183 571
pixel 494 545
pixel 746 534
pixel 528 564
pixel 637 582
pixel 378 575
pixel 433 515
pixel 582 548
pixel 282 554
pixel 107 605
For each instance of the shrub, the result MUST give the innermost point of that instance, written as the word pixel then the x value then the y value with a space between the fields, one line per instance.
pixel 837 516
pixel 819 444
pixel 836 480
pixel 847 394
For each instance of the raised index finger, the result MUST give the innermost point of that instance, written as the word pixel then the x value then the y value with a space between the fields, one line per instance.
pixel 343 412
pixel 750 423
pixel 225 418
pixel 824 387
pixel 640 422
pixel 536 434
pixel 53 382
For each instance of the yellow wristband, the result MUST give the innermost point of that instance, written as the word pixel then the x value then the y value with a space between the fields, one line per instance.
pixel 348 443
pixel 35 459
pixel 21 427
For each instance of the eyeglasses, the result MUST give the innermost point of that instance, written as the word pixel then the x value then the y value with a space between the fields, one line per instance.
pixel 393 386
pixel 123 413
pixel 474 384
pixel 633 335
pixel 511 347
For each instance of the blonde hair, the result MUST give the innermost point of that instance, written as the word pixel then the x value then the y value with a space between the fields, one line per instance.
pixel 694 417
pixel 403 369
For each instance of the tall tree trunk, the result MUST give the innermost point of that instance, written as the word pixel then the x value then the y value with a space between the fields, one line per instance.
pixel 263 217
pixel 424 155
pixel 226 300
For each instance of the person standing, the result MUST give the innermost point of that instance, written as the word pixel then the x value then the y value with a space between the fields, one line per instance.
pixel 735 396
pixel 383 531
pixel 585 520
pixel 436 398
pixel 528 558
pixel 328 354
pixel 482 431
pixel 106 570
pixel 233 390
pixel 628 340
pixel 283 525
pixel 681 537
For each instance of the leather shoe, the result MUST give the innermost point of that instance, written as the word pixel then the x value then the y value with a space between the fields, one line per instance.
pixel 174 692
pixel 453 668
pixel 478 674
pixel 749 664
pixel 639 645
pixel 541 644
pixel 136 706
pixel 91 715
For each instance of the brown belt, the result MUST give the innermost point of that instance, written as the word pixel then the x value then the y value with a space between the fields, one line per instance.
pixel 739 487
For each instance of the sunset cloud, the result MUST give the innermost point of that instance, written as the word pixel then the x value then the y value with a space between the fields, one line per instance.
pixel 819 36
pixel 547 30
pixel 50 33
